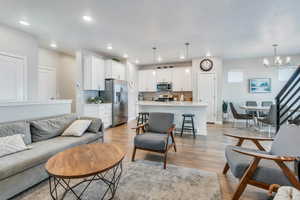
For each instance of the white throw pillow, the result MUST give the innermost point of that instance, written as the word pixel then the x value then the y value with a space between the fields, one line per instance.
pixel 12 144
pixel 77 128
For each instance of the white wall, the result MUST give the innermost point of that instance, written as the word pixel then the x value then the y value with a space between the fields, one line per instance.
pixel 65 73
pixel 132 78
pixel 251 68
pixel 23 44
pixel 48 58
pixel 218 70
pixel 67 79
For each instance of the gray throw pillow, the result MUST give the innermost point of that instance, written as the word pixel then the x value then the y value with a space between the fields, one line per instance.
pixel 14 128
pixel 44 129
pixel 95 126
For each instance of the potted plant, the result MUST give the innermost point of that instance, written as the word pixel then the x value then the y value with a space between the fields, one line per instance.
pixel 225 110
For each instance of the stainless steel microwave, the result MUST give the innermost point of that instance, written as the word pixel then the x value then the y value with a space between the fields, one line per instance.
pixel 164 87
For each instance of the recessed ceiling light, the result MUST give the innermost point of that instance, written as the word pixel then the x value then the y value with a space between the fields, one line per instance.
pixel 87 18
pixel 53 45
pixel 24 23
pixel 137 61
pixel 125 55
pixel 109 47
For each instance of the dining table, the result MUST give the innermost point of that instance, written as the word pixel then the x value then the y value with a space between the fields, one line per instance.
pixel 258 110
pixel 255 109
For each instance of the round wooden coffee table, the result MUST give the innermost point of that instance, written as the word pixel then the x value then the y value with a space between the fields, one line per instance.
pixel 89 162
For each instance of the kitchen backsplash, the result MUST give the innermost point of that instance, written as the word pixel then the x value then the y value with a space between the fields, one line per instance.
pixel 150 96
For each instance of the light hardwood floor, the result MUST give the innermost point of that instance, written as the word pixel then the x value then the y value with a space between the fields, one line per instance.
pixel 205 152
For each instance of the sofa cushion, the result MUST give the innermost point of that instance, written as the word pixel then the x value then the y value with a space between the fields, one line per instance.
pixel 77 128
pixel 267 171
pixel 43 129
pixel 96 124
pixel 13 128
pixel 153 141
pixel 12 144
pixel 40 153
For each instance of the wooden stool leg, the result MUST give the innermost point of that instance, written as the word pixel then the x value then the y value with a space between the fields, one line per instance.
pixel 194 133
pixel 182 126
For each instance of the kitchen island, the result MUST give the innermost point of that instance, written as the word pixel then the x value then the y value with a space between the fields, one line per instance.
pixel 179 108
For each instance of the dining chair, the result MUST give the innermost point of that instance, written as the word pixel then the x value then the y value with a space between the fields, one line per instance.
pixel 239 116
pixel 270 119
pixel 253 104
pixel 265 104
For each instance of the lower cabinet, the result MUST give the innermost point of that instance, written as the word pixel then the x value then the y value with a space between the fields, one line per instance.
pixel 102 111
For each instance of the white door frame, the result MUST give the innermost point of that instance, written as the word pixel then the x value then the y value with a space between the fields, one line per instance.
pixel 25 74
pixel 214 92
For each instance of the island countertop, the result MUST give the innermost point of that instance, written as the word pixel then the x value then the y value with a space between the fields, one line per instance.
pixel 173 103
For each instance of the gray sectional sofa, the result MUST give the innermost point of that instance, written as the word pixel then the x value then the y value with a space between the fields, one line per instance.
pixel 21 170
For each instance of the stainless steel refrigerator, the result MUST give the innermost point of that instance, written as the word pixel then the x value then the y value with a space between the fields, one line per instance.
pixel 116 92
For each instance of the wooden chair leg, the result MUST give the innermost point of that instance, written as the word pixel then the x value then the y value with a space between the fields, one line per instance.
pixel 175 149
pixel 226 168
pixel 133 154
pixel 244 180
pixel 165 160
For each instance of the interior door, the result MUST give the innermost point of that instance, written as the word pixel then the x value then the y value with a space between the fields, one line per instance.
pixel 207 94
pixel 12 78
pixel 47 83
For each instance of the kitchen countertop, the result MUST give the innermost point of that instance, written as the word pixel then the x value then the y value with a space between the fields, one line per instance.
pixel 173 103
pixel 41 102
pixel 97 104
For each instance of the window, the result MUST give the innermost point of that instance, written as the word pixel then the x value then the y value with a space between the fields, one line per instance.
pixel 285 74
pixel 235 77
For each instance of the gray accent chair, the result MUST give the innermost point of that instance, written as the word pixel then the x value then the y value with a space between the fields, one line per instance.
pixel 22 170
pixel 156 135
pixel 264 168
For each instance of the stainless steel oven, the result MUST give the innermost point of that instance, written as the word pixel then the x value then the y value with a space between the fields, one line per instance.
pixel 164 87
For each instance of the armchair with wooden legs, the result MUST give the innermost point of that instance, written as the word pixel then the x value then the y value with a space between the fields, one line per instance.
pixel 261 168
pixel 156 135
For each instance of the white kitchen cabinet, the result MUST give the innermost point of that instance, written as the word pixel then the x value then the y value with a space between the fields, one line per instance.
pixel 182 79
pixel 115 70
pixel 164 75
pixel 147 80
pixel 102 111
pixel 93 73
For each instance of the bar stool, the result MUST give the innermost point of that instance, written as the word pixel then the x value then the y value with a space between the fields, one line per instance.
pixel 142 118
pixel 188 124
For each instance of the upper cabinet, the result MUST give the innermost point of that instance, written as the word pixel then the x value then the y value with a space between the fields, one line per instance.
pixel 94 73
pixel 164 75
pixel 147 80
pixel 182 79
pixel 115 70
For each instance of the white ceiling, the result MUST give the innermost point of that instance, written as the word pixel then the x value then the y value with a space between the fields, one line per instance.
pixel 227 28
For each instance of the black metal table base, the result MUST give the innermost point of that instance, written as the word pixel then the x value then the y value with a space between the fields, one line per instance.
pixel 59 187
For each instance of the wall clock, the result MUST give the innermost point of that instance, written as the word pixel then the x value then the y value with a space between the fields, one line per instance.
pixel 206 65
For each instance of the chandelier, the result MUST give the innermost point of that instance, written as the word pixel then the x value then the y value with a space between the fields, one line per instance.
pixel 277 61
